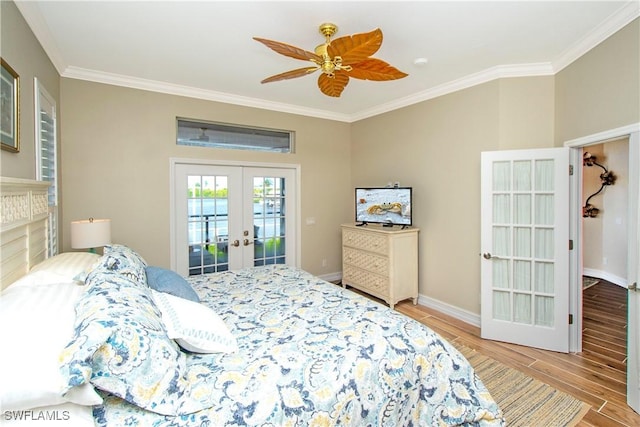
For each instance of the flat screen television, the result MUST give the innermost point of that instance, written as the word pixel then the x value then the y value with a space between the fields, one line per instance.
pixel 388 206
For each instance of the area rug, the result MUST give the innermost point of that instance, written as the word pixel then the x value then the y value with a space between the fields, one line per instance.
pixel 524 401
pixel 588 282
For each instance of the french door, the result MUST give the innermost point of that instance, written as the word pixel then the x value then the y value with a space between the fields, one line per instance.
pixel 231 217
pixel 525 247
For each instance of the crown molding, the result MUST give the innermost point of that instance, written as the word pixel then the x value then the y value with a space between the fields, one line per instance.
pixel 32 15
pixel 490 74
pixel 494 73
pixel 615 22
pixel 610 26
pixel 193 92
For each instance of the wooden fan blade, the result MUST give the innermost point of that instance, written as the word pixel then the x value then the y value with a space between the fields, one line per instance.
pixel 333 86
pixel 290 74
pixel 290 51
pixel 357 47
pixel 375 69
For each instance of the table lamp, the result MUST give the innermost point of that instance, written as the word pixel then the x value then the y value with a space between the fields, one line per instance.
pixel 90 233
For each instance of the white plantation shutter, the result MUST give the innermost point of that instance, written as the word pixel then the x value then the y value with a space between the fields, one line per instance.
pixel 47 165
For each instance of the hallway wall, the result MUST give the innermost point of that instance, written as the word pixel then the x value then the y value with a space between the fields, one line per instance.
pixel 605 237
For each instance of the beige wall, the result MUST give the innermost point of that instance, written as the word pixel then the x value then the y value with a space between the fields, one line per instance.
pixel 117 143
pixel 600 90
pixel 22 51
pixel 435 148
pixel 592 227
pixel 605 237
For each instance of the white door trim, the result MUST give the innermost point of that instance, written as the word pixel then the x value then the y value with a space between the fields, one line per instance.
pixel 575 230
pixel 633 219
pixel 173 161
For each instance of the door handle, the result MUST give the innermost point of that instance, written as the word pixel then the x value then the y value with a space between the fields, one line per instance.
pixel 248 242
pixel 633 287
pixel 487 255
pixel 236 243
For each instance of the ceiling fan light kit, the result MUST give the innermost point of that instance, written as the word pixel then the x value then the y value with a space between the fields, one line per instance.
pixel 338 60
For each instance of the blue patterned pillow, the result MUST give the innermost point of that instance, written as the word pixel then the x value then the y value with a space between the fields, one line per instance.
pixel 127 262
pixel 170 282
pixel 121 346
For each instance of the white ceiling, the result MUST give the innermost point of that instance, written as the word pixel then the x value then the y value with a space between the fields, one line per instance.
pixel 205 49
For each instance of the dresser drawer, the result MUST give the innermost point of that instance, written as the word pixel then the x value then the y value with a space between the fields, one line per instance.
pixel 366 260
pixel 365 280
pixel 365 240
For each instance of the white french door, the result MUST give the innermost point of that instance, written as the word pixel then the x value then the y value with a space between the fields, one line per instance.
pixel 525 247
pixel 633 274
pixel 231 217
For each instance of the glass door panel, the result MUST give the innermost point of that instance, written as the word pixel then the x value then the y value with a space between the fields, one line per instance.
pixel 269 220
pixel 208 223
pixel 272 216
pixel 232 217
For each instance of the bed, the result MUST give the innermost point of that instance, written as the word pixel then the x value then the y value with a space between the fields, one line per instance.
pixel 120 342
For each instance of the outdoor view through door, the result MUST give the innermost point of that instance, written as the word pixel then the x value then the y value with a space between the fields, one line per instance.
pixel 208 223
pixel 227 217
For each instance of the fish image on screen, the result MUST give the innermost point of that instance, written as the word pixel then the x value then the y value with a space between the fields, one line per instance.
pixel 387 206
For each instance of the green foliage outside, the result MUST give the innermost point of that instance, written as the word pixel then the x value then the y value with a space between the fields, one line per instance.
pixel 273 247
pixel 207 193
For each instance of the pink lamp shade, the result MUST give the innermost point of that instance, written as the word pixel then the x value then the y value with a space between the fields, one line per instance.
pixel 90 233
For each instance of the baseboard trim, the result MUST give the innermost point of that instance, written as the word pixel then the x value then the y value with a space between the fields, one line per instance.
pixel 599 274
pixel 331 277
pixel 451 310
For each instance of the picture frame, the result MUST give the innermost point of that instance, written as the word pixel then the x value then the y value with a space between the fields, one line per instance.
pixel 9 108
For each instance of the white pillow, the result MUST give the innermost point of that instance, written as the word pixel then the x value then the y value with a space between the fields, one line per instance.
pixel 37 323
pixel 41 278
pixel 195 327
pixel 70 265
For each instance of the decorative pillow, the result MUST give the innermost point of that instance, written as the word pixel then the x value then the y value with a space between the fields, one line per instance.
pixel 168 281
pixel 126 262
pixel 69 265
pixel 194 326
pixel 37 322
pixel 120 346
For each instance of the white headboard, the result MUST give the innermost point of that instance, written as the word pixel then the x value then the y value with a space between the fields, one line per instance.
pixel 23 227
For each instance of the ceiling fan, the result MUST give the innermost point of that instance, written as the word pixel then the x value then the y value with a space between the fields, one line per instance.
pixel 344 57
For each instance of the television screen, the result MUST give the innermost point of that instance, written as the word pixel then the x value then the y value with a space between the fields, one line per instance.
pixel 390 206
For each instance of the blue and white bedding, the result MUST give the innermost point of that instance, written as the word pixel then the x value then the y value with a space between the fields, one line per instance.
pixel 305 352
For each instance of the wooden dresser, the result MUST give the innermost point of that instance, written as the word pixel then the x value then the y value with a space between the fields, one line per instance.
pixel 381 261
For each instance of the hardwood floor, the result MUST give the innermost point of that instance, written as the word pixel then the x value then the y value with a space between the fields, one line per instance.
pixel 596 376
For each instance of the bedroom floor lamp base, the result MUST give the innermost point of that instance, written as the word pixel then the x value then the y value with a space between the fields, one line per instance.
pixel 90 233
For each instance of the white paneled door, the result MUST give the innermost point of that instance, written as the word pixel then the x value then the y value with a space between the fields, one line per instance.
pixel 525 247
pixel 231 217
pixel 633 274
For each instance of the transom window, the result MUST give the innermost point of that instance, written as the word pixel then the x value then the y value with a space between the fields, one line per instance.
pixel 219 135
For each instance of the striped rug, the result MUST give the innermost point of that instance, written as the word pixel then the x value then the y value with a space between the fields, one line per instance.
pixel 525 401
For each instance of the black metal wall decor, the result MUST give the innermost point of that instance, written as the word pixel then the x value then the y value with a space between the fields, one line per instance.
pixel 606 178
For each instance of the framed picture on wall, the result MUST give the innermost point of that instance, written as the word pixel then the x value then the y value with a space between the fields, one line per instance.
pixel 9 108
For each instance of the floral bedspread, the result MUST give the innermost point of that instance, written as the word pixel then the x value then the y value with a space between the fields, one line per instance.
pixel 313 354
